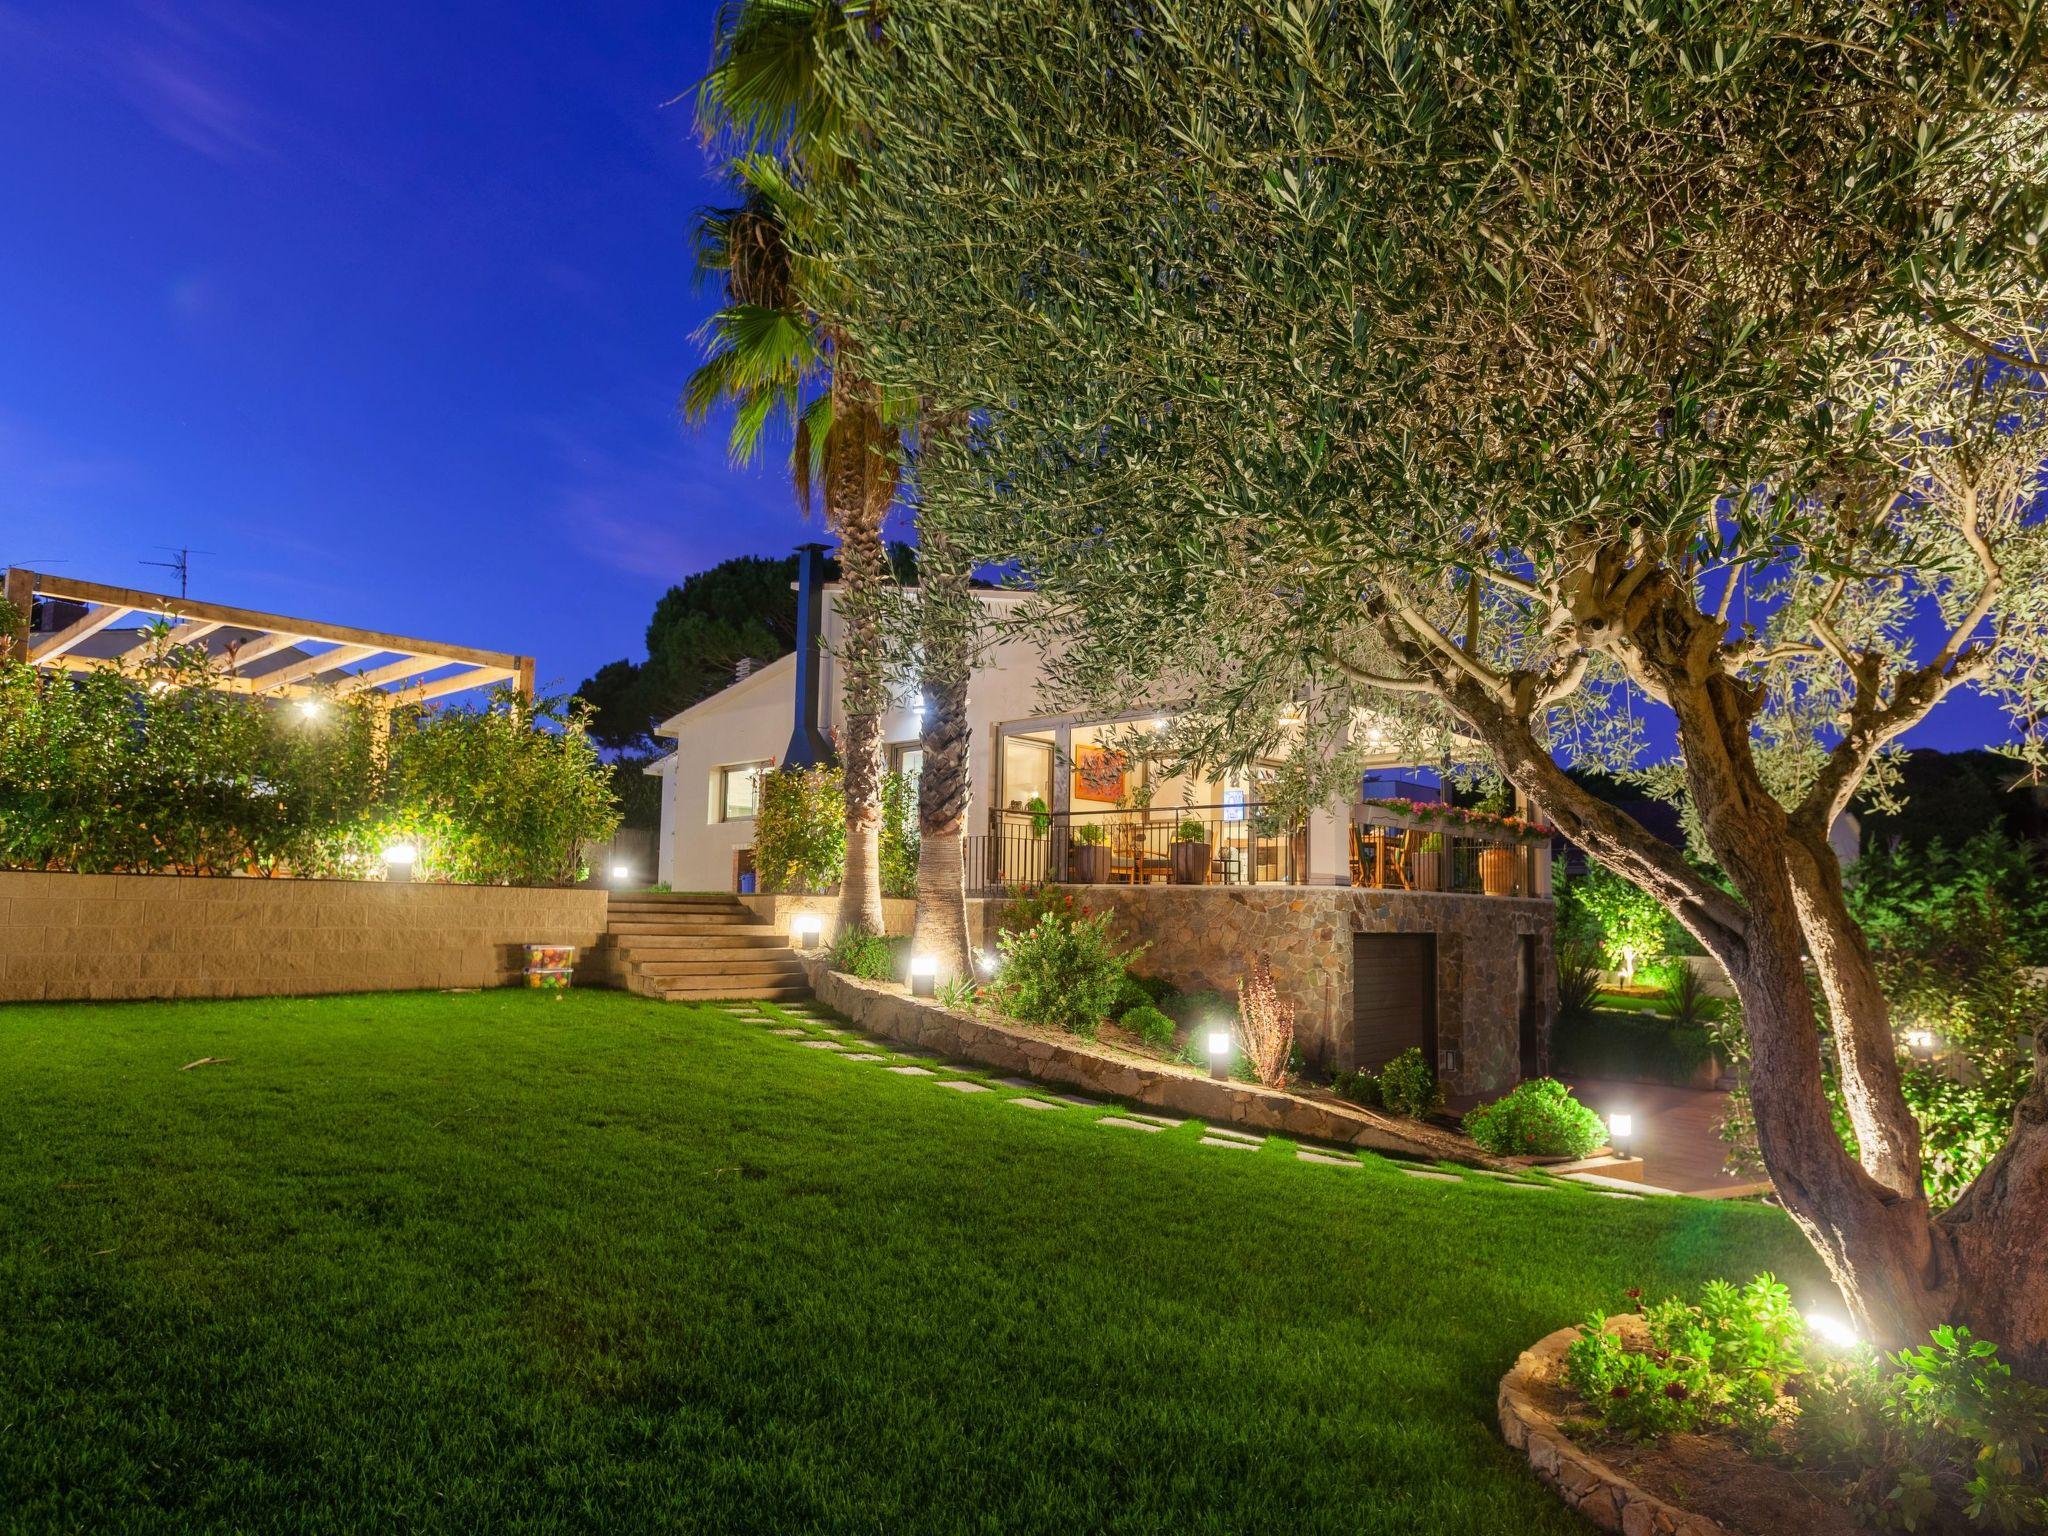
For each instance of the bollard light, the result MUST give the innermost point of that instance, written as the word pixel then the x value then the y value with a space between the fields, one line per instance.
pixel 807 929
pixel 924 975
pixel 1621 1131
pixel 399 859
pixel 1921 1043
pixel 1831 1329
pixel 1219 1052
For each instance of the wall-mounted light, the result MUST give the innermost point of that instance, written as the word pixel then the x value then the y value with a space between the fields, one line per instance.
pixel 807 928
pixel 1220 1044
pixel 1621 1130
pixel 399 859
pixel 924 975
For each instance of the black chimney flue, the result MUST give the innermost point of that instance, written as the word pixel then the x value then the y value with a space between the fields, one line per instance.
pixel 809 747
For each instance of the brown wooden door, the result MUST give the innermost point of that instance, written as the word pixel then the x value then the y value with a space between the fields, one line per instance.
pixel 1393 996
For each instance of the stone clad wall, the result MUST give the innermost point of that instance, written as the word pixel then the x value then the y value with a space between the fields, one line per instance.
pixel 1200 938
pixel 158 936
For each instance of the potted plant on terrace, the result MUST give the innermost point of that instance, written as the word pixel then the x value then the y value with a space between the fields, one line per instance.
pixel 1088 859
pixel 1191 853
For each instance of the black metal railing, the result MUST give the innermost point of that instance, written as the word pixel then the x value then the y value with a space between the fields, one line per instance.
pixel 1389 853
pixel 1240 843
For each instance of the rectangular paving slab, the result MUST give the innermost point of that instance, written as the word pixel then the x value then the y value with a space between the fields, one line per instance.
pixel 1431 1173
pixel 1025 1101
pixel 1328 1160
pixel 1129 1125
pixel 1227 1132
pixel 1082 1101
pixel 966 1087
pixel 821 1045
pixel 1165 1122
pixel 1225 1141
pixel 790 1034
pixel 911 1071
pixel 863 1056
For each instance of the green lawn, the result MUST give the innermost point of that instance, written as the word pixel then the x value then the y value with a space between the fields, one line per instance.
pixel 502 1263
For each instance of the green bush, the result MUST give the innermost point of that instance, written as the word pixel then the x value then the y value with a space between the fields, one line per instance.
pixel 1630 924
pixel 1150 1025
pixel 900 839
pixel 1360 1087
pixel 1143 992
pixel 1065 972
pixel 154 770
pixel 1407 1085
pixel 1538 1118
pixel 1578 976
pixel 870 956
pixel 1200 1010
pixel 800 831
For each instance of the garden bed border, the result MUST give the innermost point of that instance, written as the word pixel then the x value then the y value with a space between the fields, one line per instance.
pixel 884 1008
pixel 1586 1483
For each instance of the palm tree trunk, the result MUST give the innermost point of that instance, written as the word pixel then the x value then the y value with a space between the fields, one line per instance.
pixel 860 482
pixel 946 613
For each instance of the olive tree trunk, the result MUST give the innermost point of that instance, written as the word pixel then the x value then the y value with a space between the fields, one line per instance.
pixel 1982 1263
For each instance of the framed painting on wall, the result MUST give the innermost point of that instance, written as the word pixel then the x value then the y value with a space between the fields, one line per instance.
pixel 1099 774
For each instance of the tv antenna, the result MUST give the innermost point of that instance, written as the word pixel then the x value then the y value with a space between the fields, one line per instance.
pixel 181 562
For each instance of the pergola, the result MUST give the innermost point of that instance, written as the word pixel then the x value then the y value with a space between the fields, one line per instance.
pixel 262 654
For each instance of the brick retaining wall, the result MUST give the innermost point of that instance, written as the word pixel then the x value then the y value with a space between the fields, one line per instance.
pixel 159 936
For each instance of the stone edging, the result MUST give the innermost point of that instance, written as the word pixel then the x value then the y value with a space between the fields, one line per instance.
pixel 1586 1483
pixel 886 1010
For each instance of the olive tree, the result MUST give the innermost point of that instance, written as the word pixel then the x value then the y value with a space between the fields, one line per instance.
pixel 1527 369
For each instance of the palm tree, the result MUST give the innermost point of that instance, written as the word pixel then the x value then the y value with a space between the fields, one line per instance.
pixel 947 627
pixel 771 355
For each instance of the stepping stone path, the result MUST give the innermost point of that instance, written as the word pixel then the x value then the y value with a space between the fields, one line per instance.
pixel 1431 1173
pixel 1229 1135
pixel 821 1045
pixel 863 1056
pixel 1164 1122
pixel 1129 1125
pixel 1231 1142
pixel 1308 1155
pixel 911 1071
pixel 1079 1102
pixel 1023 1101
pixel 1617 1194
pixel 790 1034
pixel 966 1087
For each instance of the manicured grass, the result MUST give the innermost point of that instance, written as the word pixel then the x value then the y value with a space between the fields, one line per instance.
pixel 504 1263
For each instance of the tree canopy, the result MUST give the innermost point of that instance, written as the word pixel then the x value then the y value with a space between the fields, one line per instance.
pixel 1525 367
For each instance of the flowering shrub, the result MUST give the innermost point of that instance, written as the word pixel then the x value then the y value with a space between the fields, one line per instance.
pixel 1537 1118
pixel 870 956
pixel 1062 971
pixel 1265 1026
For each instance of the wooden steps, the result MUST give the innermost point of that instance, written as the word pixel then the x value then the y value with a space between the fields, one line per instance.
pixel 690 948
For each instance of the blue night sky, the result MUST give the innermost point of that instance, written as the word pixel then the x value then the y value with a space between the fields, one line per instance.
pixel 386 306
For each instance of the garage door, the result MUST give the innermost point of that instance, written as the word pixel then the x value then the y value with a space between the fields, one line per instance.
pixel 1393 996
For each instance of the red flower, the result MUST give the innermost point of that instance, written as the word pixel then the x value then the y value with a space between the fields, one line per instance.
pixel 1635 1293
pixel 1618 1392
pixel 1675 1390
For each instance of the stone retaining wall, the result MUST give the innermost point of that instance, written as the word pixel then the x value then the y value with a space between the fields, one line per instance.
pixel 1200 938
pixel 160 936
pixel 1585 1482
pixel 885 1009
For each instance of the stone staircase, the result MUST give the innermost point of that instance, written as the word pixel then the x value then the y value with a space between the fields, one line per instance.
pixel 681 948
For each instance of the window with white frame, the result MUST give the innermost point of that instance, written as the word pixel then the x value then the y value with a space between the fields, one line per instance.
pixel 739 791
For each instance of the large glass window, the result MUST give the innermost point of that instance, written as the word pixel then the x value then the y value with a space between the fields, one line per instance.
pixel 739 791
pixel 1027 772
pixel 906 758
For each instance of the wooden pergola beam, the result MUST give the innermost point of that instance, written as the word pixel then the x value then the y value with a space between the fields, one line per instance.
pixel 396 672
pixel 186 609
pixel 72 635
pixel 270 633
pixel 312 666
